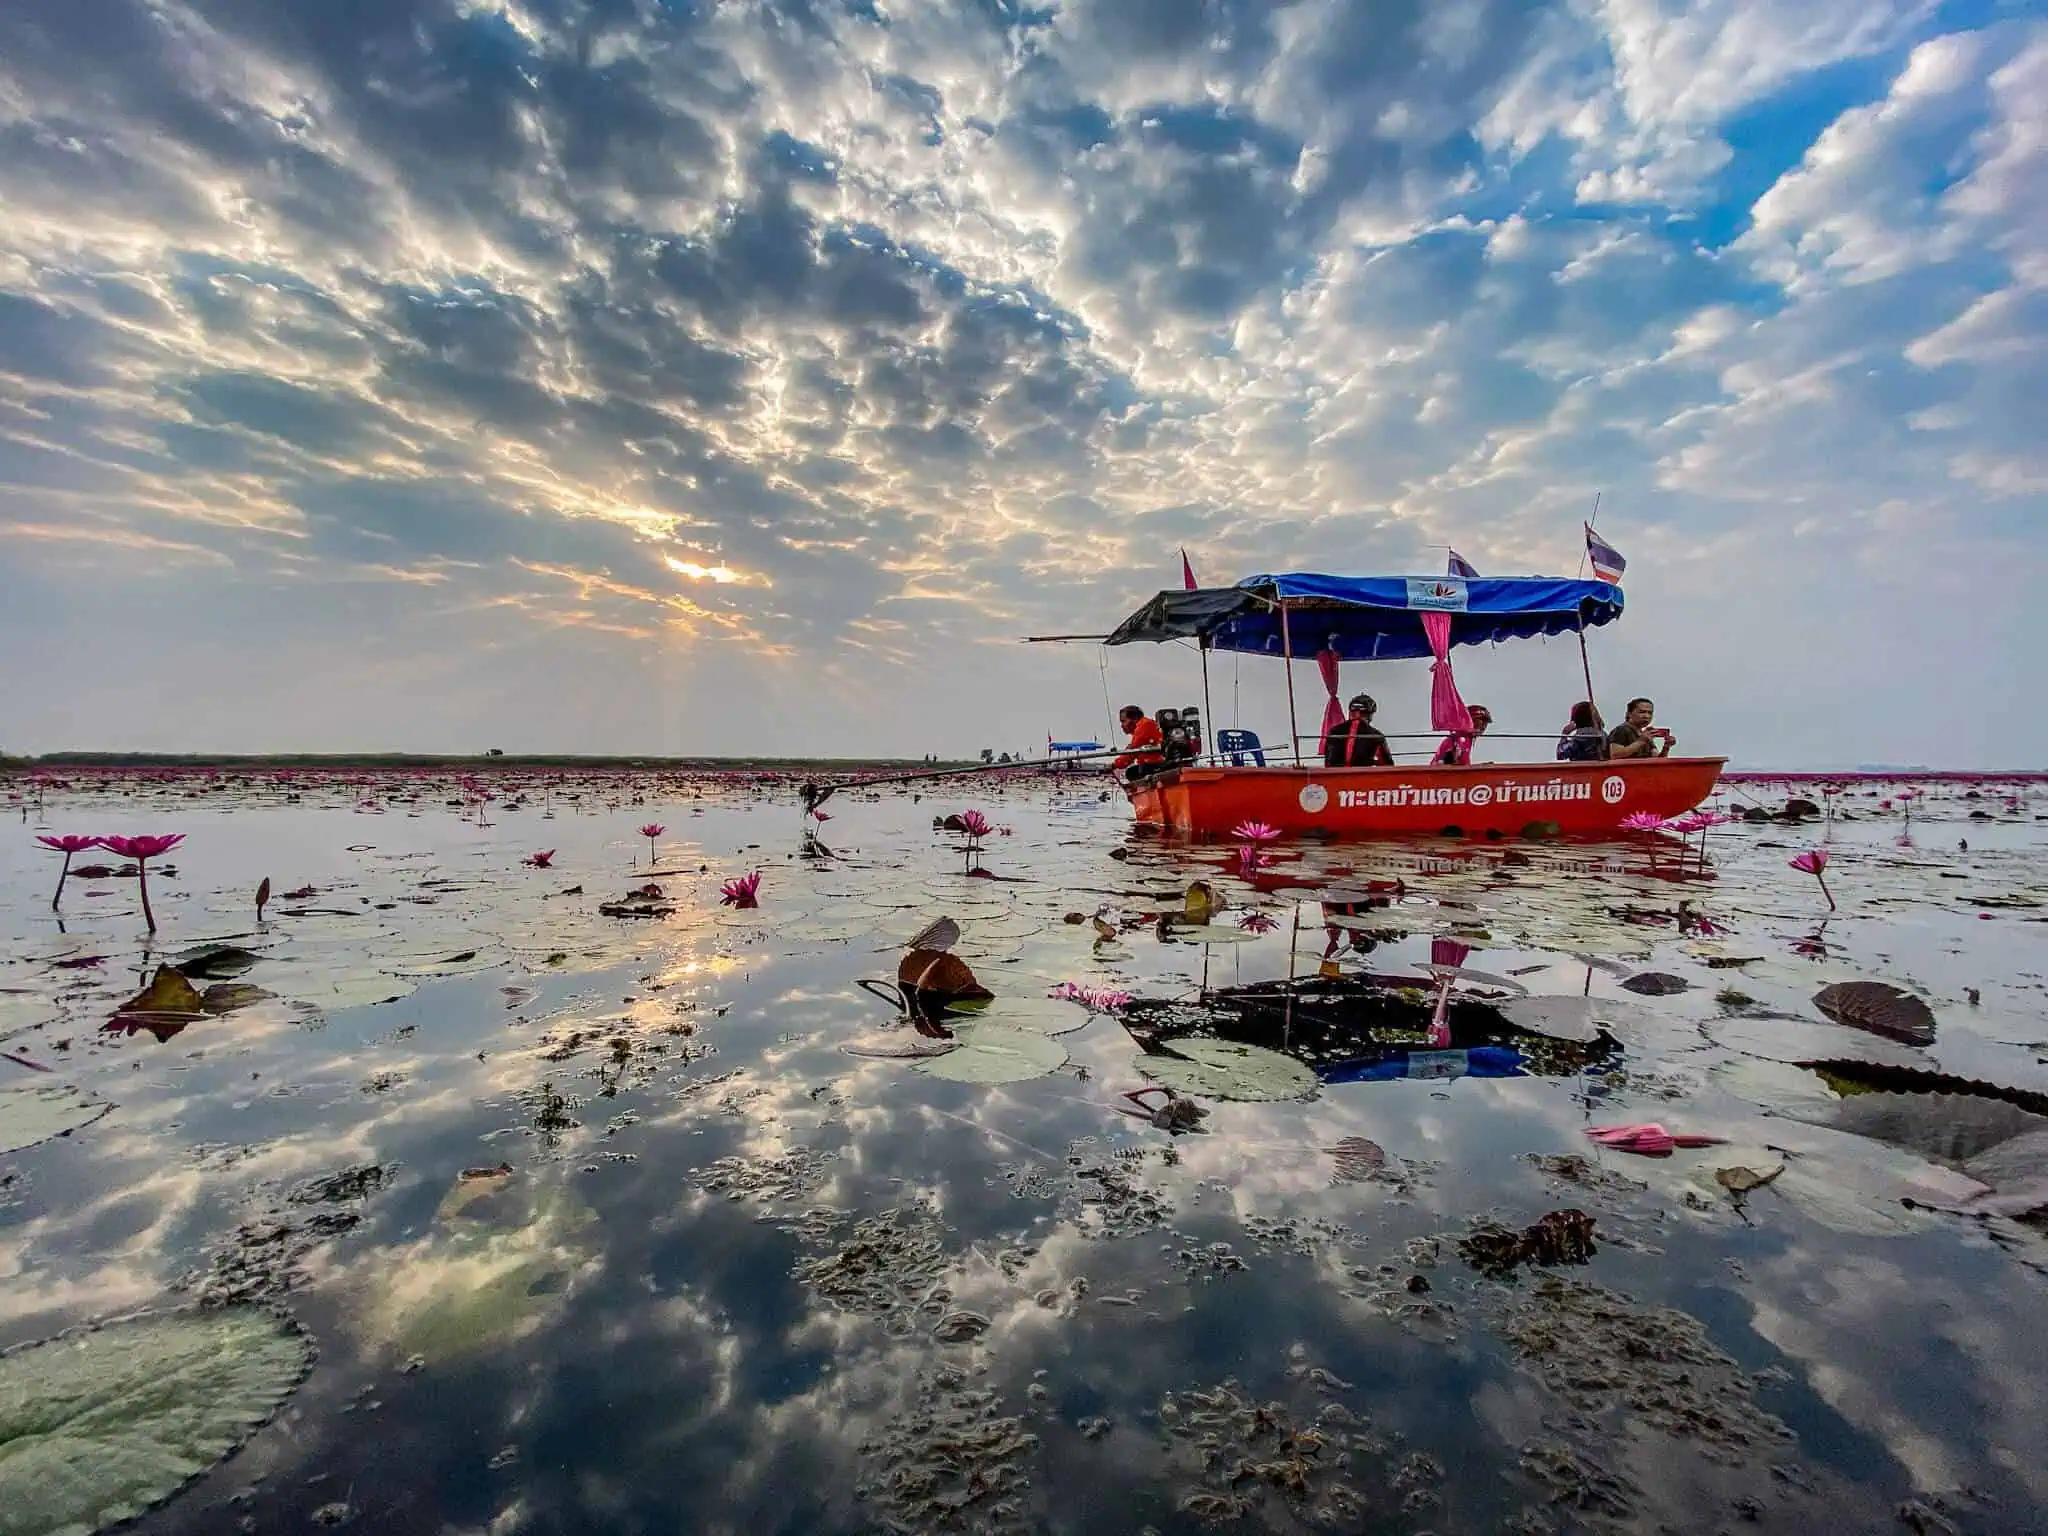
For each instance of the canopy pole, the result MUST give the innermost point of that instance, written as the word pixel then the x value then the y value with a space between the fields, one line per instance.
pixel 1586 665
pixel 1287 651
pixel 1208 715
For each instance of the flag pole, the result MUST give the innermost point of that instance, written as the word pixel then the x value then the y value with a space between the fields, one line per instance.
pixel 1585 660
pixel 1208 719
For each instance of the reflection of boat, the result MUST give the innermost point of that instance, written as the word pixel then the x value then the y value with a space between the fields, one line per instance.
pixel 1390 618
pixel 1364 1029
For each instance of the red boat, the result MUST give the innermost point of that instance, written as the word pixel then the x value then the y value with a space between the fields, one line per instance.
pixel 1580 799
pixel 1384 618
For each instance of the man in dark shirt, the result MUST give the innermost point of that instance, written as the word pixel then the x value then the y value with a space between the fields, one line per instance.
pixel 1355 744
pixel 1637 737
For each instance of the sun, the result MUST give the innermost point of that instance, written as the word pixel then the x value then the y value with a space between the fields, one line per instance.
pixel 719 573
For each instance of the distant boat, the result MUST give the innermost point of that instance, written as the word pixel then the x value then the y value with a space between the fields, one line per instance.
pixel 1382 618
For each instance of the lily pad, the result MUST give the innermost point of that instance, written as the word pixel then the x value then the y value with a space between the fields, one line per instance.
pixel 1225 1069
pixel 1581 1019
pixel 167 992
pixel 1775 1037
pixel 1880 1008
pixel 36 1112
pixel 1657 984
pixel 994 1053
pixel 98 1426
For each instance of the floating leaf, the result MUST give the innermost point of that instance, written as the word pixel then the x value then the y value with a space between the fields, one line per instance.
pixel 1200 903
pixel 1657 984
pixel 1581 1019
pixel 227 996
pixel 938 936
pixel 35 1112
pixel 1477 978
pixel 1880 1008
pixel 1956 1128
pixel 167 992
pixel 1748 1172
pixel 935 973
pixel 216 962
pixel 98 1426
pixel 993 1053
pixel 1777 1037
pixel 1225 1069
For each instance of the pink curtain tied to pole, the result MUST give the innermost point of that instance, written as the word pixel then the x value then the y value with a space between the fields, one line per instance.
pixel 1447 712
pixel 1333 712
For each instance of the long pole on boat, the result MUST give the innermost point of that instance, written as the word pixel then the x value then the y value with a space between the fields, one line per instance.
pixel 1287 651
pixel 1208 715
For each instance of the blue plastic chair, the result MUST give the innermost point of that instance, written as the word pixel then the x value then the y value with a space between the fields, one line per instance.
pixel 1239 745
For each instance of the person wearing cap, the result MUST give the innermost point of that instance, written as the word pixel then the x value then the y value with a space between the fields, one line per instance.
pixel 1456 749
pixel 1355 743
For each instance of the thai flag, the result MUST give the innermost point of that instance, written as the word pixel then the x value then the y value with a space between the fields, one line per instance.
pixel 1460 566
pixel 1607 561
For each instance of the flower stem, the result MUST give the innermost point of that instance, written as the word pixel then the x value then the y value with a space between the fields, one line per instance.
pixel 62 875
pixel 1823 879
pixel 142 884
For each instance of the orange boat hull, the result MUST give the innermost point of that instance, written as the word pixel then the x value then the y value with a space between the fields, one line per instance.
pixel 1583 799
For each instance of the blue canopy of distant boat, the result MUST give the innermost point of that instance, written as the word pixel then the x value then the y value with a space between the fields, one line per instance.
pixel 1073 746
pixel 1370 618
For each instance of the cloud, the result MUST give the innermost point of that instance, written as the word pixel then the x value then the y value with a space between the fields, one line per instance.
pixel 940 326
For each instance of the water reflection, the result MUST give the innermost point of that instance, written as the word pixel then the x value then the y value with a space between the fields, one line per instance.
pixel 598 1226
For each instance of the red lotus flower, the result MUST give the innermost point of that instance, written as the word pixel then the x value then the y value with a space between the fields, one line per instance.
pixel 651 831
pixel 1814 862
pixel 142 850
pixel 67 845
pixel 741 891
pixel 539 860
pixel 1255 831
pixel 974 824
pixel 1643 821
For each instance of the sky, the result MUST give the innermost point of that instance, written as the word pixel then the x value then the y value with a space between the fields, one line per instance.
pixel 678 376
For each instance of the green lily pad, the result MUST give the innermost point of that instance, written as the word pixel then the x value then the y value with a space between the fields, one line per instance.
pixel 35 1112
pixel 1224 1069
pixel 98 1426
pixel 993 1053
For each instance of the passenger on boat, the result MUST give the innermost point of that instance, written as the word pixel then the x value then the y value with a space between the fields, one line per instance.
pixel 1147 746
pixel 1585 739
pixel 1355 743
pixel 1637 737
pixel 1456 750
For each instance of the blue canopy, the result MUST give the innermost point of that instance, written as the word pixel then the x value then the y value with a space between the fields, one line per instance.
pixel 1371 618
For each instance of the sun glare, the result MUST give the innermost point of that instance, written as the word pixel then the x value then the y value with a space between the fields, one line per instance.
pixel 718 573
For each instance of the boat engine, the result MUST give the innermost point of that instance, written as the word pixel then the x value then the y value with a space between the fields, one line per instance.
pixel 1182 729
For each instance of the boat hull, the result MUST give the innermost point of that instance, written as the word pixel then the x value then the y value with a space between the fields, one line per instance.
pixel 1583 799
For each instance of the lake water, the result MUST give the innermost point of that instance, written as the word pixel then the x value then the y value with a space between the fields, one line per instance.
pixel 711 1271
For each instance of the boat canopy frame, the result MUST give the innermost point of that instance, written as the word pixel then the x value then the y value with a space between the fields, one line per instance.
pixel 1370 618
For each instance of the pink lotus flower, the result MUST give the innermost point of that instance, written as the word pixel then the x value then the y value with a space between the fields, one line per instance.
pixel 1650 1140
pixel 67 845
pixel 1095 999
pixel 741 891
pixel 974 824
pixel 142 850
pixel 1257 922
pixel 817 815
pixel 1814 862
pixel 651 831
pixel 1643 821
pixel 1698 821
pixel 539 860
pixel 1254 831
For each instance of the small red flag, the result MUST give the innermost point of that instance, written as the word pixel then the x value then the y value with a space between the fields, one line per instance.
pixel 1187 572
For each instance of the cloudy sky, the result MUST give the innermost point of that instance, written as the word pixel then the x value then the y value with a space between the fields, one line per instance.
pixel 707 376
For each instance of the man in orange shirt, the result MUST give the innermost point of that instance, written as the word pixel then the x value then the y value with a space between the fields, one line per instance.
pixel 1147 746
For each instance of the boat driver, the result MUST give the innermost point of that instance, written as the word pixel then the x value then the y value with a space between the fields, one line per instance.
pixel 1146 750
pixel 1356 743
pixel 1637 737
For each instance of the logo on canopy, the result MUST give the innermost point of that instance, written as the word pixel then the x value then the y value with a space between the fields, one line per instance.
pixel 1314 797
pixel 1446 594
pixel 1612 788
